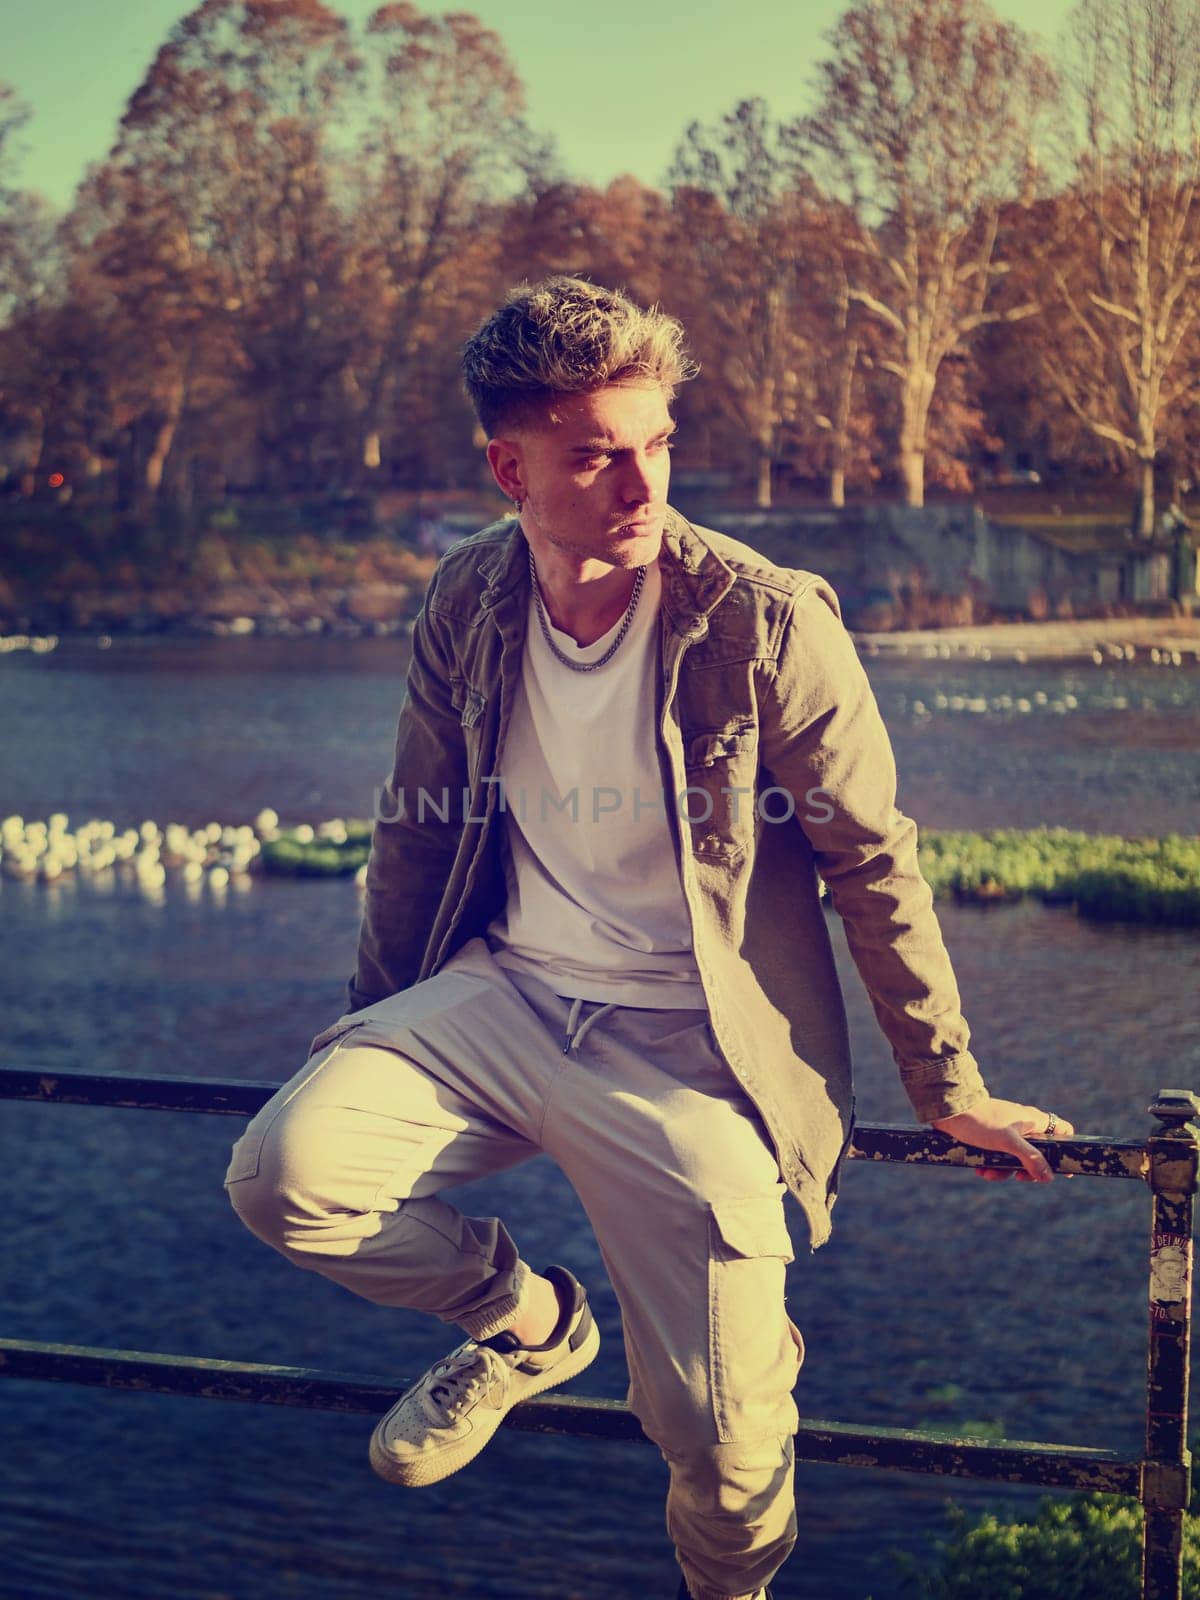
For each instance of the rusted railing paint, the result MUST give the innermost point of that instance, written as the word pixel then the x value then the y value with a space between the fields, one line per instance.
pixel 1166 1469
pixel 141 1092
pixel 1096 1158
pixel 1085 1158
pixel 1167 1161
pixel 837 1443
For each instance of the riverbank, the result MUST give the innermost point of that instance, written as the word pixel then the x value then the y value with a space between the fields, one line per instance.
pixel 1095 639
pixel 371 604
pixel 383 609
pixel 264 569
pixel 218 585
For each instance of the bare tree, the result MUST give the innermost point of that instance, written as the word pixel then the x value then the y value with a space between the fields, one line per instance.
pixel 925 125
pixel 1123 264
pixel 845 345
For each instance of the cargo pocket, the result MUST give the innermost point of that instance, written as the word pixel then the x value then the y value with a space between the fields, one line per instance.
pixel 754 1349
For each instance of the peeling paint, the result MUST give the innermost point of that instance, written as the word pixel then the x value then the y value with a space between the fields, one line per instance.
pixel 1170 1272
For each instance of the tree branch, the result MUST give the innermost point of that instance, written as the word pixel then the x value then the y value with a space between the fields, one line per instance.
pixel 864 298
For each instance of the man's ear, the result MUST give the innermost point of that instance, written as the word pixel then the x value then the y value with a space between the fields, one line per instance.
pixel 506 460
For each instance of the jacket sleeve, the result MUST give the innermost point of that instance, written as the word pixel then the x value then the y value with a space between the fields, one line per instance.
pixel 412 849
pixel 824 741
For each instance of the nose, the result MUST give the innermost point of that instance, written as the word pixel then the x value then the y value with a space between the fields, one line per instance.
pixel 638 481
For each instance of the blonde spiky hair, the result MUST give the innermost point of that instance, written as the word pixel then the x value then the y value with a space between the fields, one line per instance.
pixel 566 336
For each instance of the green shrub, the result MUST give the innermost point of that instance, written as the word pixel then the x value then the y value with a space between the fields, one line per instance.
pixel 1084 1548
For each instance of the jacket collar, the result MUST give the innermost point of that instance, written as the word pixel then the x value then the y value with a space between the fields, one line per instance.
pixel 694 577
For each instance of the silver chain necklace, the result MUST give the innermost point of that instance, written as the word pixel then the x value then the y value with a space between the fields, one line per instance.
pixel 585 666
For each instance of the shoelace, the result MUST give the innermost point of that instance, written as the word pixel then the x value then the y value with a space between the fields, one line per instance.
pixel 464 1379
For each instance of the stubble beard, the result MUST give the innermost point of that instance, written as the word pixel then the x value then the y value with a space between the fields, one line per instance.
pixel 627 554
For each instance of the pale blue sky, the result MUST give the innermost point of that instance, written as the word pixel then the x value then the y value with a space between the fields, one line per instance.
pixel 616 82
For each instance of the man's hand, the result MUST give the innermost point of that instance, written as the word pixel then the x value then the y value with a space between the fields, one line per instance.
pixel 1004 1125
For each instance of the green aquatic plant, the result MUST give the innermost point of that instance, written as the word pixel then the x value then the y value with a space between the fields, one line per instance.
pixel 1084 1548
pixel 1103 876
pixel 301 853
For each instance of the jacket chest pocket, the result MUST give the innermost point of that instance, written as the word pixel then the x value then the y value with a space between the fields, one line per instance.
pixel 721 770
pixel 470 705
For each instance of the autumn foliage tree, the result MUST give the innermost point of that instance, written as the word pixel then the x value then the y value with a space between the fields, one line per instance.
pixel 308 203
pixel 219 178
pixel 445 141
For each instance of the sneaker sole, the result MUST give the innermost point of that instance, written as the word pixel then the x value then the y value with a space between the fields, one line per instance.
pixel 432 1468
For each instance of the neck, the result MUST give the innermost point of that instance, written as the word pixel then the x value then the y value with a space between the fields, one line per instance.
pixel 583 599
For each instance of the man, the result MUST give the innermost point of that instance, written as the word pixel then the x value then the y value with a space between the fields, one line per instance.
pixel 593 928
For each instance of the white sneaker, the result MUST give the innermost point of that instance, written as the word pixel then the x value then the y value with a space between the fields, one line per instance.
pixel 447 1417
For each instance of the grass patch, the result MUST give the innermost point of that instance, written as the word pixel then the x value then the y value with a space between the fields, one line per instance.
pixel 1103 876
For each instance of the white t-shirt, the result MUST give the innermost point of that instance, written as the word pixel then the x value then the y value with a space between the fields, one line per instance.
pixel 595 905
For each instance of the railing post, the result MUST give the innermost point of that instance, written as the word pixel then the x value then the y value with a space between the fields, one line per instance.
pixel 1173 1152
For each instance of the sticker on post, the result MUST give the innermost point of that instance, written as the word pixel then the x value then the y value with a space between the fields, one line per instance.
pixel 1170 1271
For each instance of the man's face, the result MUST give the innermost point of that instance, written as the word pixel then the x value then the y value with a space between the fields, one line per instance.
pixel 593 475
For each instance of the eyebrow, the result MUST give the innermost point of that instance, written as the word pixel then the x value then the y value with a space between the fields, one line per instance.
pixel 593 446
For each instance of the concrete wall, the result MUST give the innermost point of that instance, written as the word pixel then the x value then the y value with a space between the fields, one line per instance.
pixel 894 566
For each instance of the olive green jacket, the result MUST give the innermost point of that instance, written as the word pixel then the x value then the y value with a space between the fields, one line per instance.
pixel 760 687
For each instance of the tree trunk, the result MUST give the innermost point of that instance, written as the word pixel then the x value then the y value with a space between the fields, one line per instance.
pixel 841 426
pixel 27 481
pixel 128 479
pixel 912 475
pixel 762 497
pixel 1143 520
pixel 164 438
pixel 916 395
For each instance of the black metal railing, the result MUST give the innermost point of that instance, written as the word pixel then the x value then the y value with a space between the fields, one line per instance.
pixel 1167 1162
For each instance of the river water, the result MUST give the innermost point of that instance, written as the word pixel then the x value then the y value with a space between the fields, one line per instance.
pixel 940 1300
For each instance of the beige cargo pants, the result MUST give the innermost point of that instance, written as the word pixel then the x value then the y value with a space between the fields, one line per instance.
pixel 476 1070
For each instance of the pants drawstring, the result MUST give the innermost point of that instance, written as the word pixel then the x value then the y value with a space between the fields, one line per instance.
pixel 577 1031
